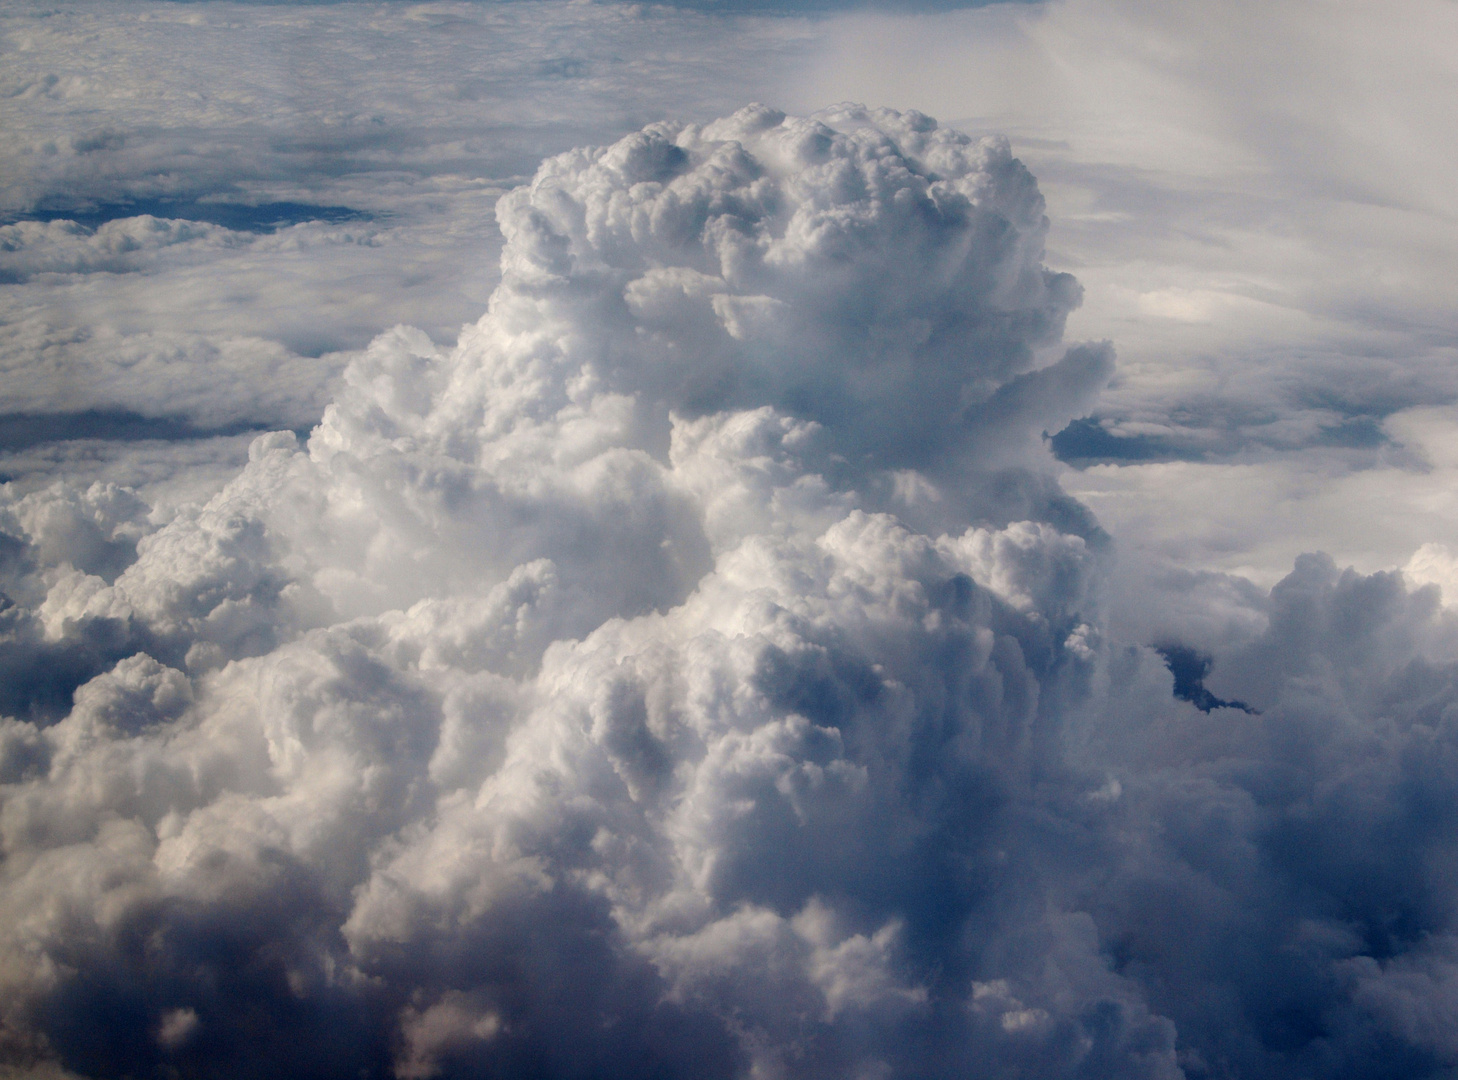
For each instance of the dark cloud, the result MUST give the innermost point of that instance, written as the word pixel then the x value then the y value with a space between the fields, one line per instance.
pixel 1087 442
pixel 1189 669
pixel 19 431
pixel 1222 434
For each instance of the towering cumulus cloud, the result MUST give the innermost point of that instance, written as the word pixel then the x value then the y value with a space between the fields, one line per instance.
pixel 696 672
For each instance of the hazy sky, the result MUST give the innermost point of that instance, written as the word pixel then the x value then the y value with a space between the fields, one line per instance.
pixel 585 539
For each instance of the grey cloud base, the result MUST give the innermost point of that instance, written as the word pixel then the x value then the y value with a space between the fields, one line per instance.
pixel 696 671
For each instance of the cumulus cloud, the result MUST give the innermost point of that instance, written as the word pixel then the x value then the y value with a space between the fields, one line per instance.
pixel 635 530
pixel 697 670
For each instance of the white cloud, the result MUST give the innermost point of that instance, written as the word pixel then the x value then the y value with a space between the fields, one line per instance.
pixel 698 668
pixel 169 144
pixel 1258 202
pixel 597 609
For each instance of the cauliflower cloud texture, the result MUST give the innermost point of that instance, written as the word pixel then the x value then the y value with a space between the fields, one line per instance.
pixel 697 671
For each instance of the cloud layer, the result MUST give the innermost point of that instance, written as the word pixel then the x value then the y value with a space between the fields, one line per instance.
pixel 206 210
pixel 1258 201
pixel 697 671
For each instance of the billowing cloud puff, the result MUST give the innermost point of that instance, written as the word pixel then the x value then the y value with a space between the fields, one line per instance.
pixel 696 672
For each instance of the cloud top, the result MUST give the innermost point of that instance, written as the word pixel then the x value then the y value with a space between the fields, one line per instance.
pixel 868 271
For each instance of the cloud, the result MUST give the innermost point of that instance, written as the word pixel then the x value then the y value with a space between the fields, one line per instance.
pixel 209 245
pixel 1205 244
pixel 1257 201
pixel 803 7
pixel 1297 848
pixel 560 653
pixel 703 667
pixel 698 669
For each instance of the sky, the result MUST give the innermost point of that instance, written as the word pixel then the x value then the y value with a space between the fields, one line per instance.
pixel 782 541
